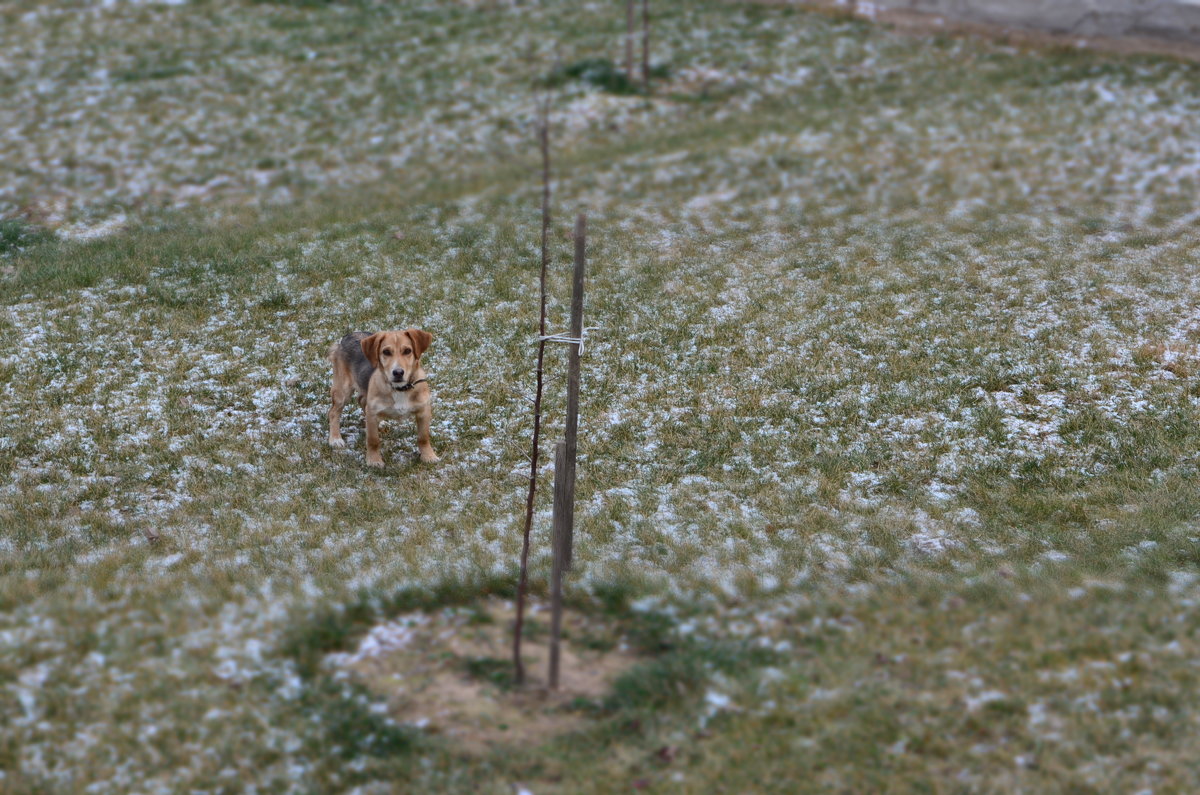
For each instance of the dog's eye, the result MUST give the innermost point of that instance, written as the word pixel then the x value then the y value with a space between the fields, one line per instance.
pixel 406 352
pixel 387 351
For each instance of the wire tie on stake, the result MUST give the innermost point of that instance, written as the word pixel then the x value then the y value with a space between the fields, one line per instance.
pixel 564 337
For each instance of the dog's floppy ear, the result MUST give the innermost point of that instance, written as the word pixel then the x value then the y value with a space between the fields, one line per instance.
pixel 370 346
pixel 420 340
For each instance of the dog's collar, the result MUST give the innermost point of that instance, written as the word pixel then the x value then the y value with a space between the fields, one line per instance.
pixel 409 385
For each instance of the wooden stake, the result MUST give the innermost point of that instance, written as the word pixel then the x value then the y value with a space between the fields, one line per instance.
pixel 629 23
pixel 646 45
pixel 559 562
pixel 564 460
pixel 571 435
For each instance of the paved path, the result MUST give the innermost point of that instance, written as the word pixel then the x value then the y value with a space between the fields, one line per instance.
pixel 1172 20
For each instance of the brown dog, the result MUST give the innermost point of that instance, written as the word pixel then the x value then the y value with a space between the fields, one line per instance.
pixel 385 369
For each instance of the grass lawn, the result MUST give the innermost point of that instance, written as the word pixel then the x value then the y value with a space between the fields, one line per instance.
pixel 890 454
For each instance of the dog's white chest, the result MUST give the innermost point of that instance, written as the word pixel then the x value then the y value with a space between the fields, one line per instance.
pixel 401 405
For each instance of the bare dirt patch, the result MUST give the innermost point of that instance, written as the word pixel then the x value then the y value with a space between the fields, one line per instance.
pixel 450 673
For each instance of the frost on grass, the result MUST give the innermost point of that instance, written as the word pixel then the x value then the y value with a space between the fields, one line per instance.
pixel 848 290
pixel 170 107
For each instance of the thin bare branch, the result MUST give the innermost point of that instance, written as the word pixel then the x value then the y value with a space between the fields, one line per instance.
pixel 523 583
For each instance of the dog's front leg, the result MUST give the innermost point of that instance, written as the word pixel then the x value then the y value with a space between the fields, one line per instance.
pixel 373 457
pixel 423 418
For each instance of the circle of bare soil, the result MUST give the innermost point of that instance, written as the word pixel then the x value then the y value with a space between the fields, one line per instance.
pixel 450 673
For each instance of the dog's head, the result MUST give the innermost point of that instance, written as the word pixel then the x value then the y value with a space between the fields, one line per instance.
pixel 397 353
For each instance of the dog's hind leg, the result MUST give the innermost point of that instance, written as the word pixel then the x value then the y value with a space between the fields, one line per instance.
pixel 339 393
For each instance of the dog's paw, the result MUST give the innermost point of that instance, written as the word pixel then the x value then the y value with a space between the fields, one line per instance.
pixel 430 458
pixel 377 463
pixel 338 443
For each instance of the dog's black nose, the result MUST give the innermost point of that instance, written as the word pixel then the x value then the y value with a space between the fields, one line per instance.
pixel 397 375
